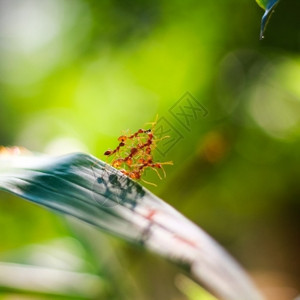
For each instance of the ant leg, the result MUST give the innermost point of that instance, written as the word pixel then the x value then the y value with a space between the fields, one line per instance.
pixel 153 123
pixel 164 137
pixel 156 141
pixel 148 182
pixel 165 175
pixel 165 163
pixel 159 176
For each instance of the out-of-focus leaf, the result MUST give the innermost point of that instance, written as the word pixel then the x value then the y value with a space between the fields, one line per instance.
pixel 268 6
pixel 88 189
pixel 192 290
pixel 30 279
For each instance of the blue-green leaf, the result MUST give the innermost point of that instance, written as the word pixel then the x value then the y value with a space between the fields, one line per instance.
pixel 268 6
pixel 88 189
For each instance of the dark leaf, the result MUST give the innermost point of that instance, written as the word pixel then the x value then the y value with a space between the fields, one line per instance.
pixel 268 6
pixel 88 189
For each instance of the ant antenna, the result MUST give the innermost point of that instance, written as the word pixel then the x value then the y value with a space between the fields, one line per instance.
pixel 153 123
pixel 148 182
pixel 159 176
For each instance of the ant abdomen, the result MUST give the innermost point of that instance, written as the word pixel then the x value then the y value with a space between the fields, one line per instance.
pixel 108 152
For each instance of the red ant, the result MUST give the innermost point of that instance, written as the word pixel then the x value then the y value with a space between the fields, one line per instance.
pixel 111 152
pixel 133 164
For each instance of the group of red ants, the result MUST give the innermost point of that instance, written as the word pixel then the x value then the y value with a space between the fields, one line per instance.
pixel 134 154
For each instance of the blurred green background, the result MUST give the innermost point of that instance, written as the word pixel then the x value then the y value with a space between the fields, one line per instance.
pixel 74 74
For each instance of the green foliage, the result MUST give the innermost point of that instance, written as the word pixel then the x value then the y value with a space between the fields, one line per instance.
pixel 192 290
pixel 92 191
pixel 74 74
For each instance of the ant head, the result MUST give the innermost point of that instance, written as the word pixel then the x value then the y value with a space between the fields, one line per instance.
pixel 135 175
pixel 117 163
pixel 124 172
pixel 122 138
